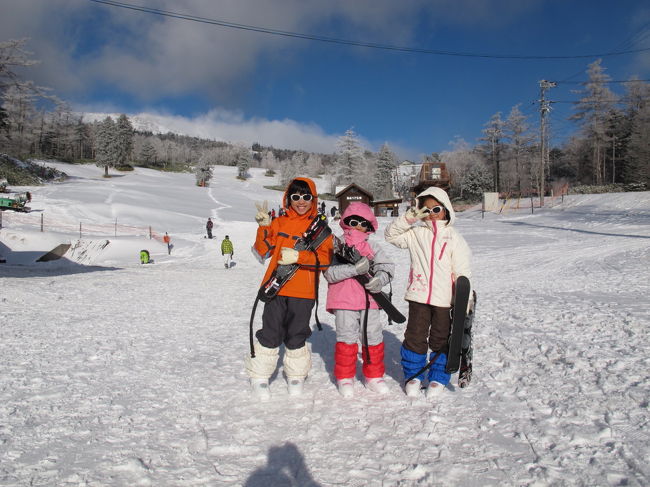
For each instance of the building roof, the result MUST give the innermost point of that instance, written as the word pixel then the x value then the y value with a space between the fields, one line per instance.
pixel 353 185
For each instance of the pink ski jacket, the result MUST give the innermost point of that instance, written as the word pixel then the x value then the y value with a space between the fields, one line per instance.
pixel 344 291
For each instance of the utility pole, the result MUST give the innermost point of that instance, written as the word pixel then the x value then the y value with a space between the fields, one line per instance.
pixel 544 108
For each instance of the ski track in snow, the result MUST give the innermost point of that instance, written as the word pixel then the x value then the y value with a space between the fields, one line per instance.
pixel 133 375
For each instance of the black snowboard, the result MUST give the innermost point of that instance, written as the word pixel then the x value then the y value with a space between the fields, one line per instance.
pixel 311 239
pixel 459 311
pixel 466 351
pixel 350 255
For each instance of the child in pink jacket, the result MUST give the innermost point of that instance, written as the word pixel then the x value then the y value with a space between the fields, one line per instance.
pixel 351 303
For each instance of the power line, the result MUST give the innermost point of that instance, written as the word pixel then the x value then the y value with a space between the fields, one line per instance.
pixel 333 40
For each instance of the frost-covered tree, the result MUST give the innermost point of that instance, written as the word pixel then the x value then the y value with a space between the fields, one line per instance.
pixel 291 168
pixel 19 113
pixel 105 154
pixel 350 163
pixel 493 148
pixel 203 173
pixel 148 154
pixel 519 150
pixel 123 140
pixel 637 169
pixel 314 165
pixel 382 186
pixel 592 113
pixel 476 181
pixel 243 161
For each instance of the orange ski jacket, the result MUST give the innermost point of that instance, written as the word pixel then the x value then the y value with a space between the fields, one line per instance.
pixel 283 232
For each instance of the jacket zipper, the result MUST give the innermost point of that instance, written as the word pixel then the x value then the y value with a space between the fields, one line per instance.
pixel 433 258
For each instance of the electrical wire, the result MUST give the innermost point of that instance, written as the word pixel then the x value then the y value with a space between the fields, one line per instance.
pixel 371 45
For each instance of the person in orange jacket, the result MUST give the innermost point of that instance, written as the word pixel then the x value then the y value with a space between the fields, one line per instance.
pixel 167 239
pixel 286 317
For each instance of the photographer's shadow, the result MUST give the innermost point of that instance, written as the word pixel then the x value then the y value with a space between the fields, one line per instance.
pixel 285 467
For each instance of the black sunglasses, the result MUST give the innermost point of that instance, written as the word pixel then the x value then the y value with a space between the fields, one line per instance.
pixel 353 223
pixel 435 209
pixel 298 197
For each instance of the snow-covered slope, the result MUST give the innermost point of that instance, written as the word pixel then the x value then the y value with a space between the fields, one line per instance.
pixel 114 373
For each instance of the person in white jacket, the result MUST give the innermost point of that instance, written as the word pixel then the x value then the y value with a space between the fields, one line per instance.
pixel 439 255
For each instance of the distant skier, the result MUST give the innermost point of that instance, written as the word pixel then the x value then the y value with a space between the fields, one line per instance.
pixel 167 239
pixel 227 251
pixel 439 255
pixel 144 257
pixel 348 301
pixel 322 207
pixel 208 227
pixel 286 317
pixel 333 211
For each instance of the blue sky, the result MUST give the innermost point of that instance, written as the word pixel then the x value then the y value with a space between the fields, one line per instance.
pixel 286 92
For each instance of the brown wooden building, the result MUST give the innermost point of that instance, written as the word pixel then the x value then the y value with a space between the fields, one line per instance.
pixel 432 174
pixel 353 193
pixel 387 207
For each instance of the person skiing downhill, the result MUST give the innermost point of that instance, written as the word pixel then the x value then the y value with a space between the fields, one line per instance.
pixel 348 301
pixel 439 255
pixel 285 319
pixel 227 251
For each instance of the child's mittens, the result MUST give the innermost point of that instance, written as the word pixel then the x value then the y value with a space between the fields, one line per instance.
pixel 262 216
pixel 362 266
pixel 374 285
pixel 288 256
pixel 414 214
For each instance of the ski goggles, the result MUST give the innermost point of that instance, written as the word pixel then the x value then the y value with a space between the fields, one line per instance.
pixel 354 223
pixel 435 209
pixel 298 197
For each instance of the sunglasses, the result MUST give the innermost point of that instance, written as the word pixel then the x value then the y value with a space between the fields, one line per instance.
pixel 354 223
pixel 435 209
pixel 298 197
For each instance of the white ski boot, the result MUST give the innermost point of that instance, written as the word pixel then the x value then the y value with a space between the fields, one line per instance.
pixel 260 388
pixel 295 386
pixel 434 389
pixel 377 384
pixel 412 388
pixel 346 387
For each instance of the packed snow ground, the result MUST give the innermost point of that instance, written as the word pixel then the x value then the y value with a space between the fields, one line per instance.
pixel 114 373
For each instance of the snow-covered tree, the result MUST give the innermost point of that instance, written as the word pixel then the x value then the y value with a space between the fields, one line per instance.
pixel 291 169
pixel 382 186
pixel 123 140
pixel 19 113
pixel 592 113
pixel 243 161
pixel 105 155
pixel 148 154
pixel 314 165
pixel 203 173
pixel 494 146
pixel 518 155
pixel 350 163
pixel 637 169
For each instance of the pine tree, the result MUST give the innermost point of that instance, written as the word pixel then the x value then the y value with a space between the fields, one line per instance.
pixel 123 140
pixel 148 153
pixel 105 155
pixel 350 163
pixel 638 167
pixel 383 181
pixel 243 161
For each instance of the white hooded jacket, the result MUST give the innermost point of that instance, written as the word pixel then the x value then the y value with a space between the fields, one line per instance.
pixel 439 254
